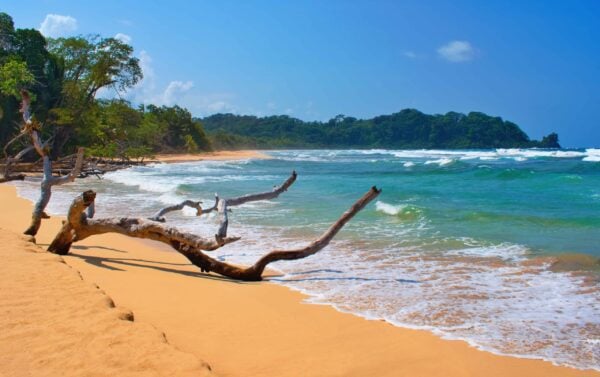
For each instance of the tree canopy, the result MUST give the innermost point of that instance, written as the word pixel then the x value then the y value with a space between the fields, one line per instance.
pixel 408 128
pixel 64 77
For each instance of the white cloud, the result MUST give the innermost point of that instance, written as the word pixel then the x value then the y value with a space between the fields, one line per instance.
pixel 177 92
pixel 146 90
pixel 55 25
pixel 123 38
pixel 410 54
pixel 457 51
pixel 173 92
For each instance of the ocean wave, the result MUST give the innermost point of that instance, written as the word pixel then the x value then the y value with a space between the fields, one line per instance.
pixel 403 211
pixel 414 155
pixel 440 162
pixel 593 155
pixel 504 251
pixel 491 296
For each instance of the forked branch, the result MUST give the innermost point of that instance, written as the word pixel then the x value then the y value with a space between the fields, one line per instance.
pixel 228 202
pixel 78 227
pixel 224 204
pixel 48 180
pixel 159 216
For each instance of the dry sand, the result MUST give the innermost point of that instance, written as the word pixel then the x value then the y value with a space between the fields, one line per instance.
pixel 240 329
pixel 219 156
pixel 53 323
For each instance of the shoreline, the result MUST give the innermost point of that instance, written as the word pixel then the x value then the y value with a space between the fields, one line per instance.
pixel 211 156
pixel 327 337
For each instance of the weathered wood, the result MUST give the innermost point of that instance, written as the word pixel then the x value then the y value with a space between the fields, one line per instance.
pixel 159 216
pixel 48 180
pixel 222 205
pixel 18 177
pixel 78 227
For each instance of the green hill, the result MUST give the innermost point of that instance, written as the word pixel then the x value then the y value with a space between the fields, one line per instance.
pixel 408 128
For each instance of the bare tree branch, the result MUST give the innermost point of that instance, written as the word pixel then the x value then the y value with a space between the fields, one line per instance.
pixel 224 204
pixel 231 202
pixel 158 216
pixel 31 127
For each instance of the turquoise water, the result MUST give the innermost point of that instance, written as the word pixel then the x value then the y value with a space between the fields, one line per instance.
pixel 485 246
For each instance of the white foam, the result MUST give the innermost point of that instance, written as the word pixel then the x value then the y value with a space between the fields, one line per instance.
pixel 408 164
pixel 503 251
pixel 515 154
pixel 593 155
pixel 389 209
pixel 440 162
pixel 533 153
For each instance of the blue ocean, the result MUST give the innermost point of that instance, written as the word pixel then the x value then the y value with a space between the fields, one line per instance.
pixel 500 248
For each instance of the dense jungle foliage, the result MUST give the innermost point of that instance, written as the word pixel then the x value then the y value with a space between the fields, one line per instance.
pixel 406 129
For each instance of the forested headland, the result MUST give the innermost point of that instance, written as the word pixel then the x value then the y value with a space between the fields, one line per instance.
pixel 406 129
pixel 65 76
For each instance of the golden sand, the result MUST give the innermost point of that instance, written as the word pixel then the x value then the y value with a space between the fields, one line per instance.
pixel 240 329
pixel 215 156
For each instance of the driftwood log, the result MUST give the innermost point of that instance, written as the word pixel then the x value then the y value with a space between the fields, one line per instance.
pixel 78 227
pixel 222 204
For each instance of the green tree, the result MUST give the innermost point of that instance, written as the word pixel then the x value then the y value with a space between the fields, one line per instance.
pixel 7 32
pixel 14 76
pixel 89 64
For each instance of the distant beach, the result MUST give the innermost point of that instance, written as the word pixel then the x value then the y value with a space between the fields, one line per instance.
pixel 212 156
pixel 263 329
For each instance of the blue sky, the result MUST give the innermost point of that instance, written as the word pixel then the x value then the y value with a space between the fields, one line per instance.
pixel 536 63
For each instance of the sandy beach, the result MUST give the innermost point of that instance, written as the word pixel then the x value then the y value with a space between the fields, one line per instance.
pixel 55 322
pixel 216 156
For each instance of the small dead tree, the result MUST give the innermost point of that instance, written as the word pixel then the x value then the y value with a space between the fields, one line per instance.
pixel 31 128
pixel 78 227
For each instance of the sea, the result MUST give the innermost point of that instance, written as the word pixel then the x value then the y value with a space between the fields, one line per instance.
pixel 499 248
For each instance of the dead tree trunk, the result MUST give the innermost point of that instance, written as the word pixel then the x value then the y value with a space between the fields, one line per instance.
pixel 78 226
pixel 222 205
pixel 48 180
pixel 46 190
